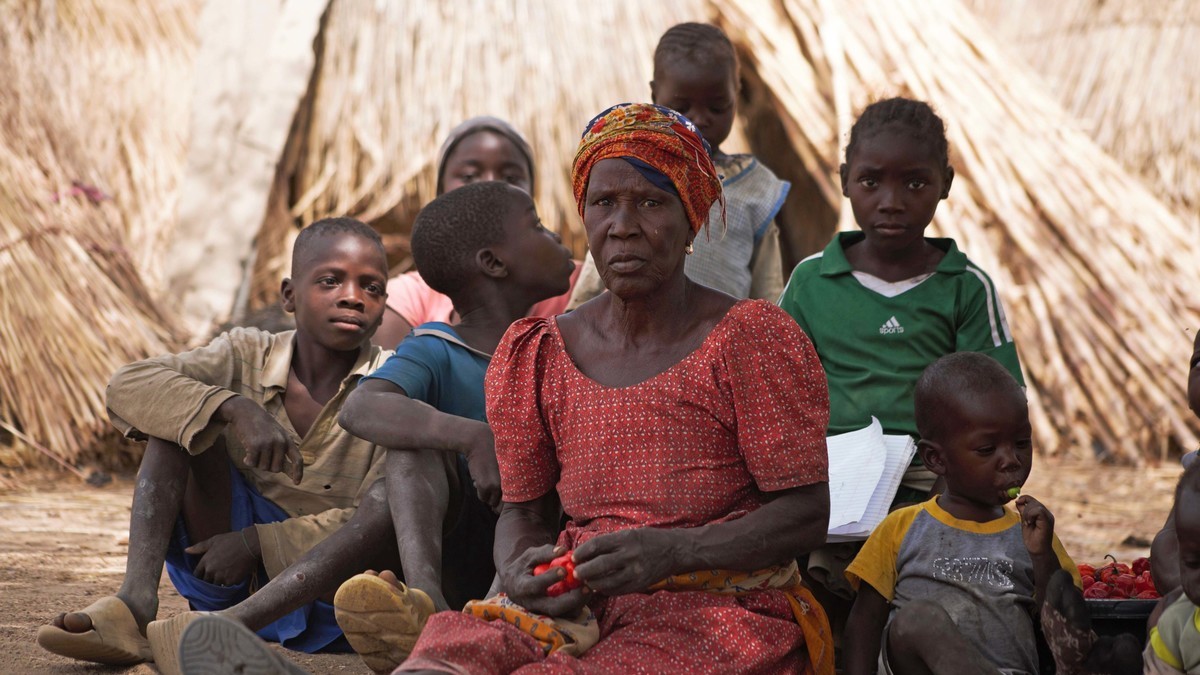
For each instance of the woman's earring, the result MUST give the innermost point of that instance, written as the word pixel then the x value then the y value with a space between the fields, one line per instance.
pixel 688 250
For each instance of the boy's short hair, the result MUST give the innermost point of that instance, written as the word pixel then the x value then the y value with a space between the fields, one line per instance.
pixel 954 376
pixel 304 247
pixel 451 229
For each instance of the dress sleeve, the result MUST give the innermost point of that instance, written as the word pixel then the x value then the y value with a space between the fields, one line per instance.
pixel 780 399
pixel 982 325
pixel 525 448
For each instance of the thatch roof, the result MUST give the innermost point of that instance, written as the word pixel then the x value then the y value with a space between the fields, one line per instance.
pixel 1093 268
pixel 1121 67
pixel 88 175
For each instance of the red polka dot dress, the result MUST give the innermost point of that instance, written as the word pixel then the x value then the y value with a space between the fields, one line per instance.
pixel 701 442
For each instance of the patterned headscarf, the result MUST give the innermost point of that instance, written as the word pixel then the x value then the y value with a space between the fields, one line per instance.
pixel 483 123
pixel 661 138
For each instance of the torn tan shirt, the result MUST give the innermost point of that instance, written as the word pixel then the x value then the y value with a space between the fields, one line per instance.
pixel 175 398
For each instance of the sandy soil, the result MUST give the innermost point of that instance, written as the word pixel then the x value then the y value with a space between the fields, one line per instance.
pixel 62 545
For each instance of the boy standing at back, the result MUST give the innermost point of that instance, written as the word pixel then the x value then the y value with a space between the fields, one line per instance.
pixel 246 467
pixel 952 586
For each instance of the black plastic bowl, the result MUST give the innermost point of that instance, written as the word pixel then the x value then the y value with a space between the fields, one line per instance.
pixel 1113 617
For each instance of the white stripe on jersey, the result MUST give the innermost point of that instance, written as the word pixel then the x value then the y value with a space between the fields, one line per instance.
pixel 991 308
pixel 814 256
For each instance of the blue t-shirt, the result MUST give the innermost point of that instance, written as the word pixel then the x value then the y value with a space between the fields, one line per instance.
pixel 434 365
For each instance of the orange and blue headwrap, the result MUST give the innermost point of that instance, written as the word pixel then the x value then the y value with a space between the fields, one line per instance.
pixel 654 140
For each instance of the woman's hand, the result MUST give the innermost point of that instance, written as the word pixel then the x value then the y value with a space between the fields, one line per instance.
pixel 529 591
pixel 628 561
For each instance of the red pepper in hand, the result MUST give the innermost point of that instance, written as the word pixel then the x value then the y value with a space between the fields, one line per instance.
pixel 568 582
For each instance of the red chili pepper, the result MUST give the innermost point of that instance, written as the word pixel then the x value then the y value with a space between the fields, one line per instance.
pixel 1126 583
pixel 568 582
pixel 1086 570
pixel 1141 565
pixel 1096 591
pixel 1087 580
pixel 1148 595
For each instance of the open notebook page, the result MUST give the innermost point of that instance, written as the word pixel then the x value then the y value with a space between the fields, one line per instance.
pixel 899 451
pixel 856 461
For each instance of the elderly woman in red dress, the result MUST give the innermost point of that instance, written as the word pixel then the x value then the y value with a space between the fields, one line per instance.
pixel 682 433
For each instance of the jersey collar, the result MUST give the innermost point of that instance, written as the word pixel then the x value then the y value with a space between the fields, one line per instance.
pixel 833 259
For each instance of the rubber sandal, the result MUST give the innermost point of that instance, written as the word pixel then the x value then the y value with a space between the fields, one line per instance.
pixel 164 640
pixel 215 645
pixel 114 639
pixel 381 621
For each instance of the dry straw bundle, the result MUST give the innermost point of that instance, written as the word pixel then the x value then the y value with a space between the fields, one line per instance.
pixel 1094 270
pixel 1121 68
pixel 88 166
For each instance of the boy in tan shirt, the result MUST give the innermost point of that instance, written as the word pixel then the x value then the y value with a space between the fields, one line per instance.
pixel 246 467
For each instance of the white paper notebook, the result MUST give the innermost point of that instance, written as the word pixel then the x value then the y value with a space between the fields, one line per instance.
pixel 865 469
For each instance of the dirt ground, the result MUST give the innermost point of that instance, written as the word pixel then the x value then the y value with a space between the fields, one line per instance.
pixel 63 545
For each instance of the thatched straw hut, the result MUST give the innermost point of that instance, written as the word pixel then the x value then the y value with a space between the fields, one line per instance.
pixel 1094 282
pixel 89 167
pixel 1120 68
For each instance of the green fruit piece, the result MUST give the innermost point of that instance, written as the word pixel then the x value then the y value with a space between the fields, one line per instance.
pixel 1014 492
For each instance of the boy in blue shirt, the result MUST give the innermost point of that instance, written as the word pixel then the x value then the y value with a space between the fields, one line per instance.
pixel 484 246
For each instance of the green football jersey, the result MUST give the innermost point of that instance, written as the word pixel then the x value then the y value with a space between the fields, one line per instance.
pixel 874 343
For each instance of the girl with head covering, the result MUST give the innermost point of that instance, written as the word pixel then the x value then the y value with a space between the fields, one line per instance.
pixel 679 430
pixel 480 149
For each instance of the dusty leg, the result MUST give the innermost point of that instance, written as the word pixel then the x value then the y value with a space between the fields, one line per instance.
pixel 922 639
pixel 157 499
pixel 418 494
pixel 366 540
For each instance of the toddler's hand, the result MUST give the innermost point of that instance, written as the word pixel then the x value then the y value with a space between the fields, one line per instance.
pixel 1037 525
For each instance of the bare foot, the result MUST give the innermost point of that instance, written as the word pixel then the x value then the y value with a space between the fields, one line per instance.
pixel 439 601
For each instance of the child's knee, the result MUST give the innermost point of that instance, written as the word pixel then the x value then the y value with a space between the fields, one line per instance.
pixel 375 500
